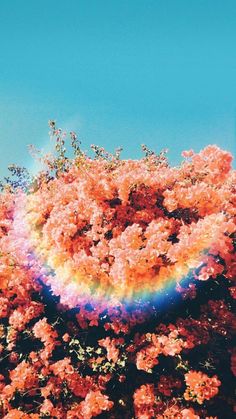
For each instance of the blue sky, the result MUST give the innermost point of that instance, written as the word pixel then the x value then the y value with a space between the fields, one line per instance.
pixel 120 72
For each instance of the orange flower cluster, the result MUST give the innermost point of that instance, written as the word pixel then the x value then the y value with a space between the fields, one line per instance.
pixel 147 406
pixel 167 345
pixel 108 231
pixel 117 282
pixel 200 387
pixel 44 331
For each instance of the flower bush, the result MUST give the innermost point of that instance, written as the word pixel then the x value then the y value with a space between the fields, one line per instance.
pixel 117 286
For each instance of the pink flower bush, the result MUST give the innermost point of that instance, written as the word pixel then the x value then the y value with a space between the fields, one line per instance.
pixel 117 282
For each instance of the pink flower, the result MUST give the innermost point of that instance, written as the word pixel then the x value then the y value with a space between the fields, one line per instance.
pixel 187 154
pixel 95 403
pixel 200 386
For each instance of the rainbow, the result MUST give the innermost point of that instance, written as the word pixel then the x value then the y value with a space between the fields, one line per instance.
pixel 73 287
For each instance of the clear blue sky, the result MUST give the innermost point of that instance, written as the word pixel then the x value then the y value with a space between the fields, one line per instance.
pixel 121 72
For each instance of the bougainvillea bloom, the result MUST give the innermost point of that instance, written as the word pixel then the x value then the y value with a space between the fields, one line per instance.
pixel 117 282
pixel 200 386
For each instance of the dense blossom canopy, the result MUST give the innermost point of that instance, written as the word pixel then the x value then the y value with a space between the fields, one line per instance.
pixel 117 287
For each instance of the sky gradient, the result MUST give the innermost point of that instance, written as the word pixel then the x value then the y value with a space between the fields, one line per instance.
pixel 121 73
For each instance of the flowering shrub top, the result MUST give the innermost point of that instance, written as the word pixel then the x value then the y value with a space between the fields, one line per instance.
pixel 117 287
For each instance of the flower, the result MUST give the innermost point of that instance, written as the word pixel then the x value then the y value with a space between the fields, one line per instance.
pixel 95 403
pixel 200 387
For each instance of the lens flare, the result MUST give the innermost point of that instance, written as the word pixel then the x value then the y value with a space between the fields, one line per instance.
pixel 73 286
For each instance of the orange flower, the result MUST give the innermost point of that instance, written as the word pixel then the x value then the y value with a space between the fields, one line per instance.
pixel 200 386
